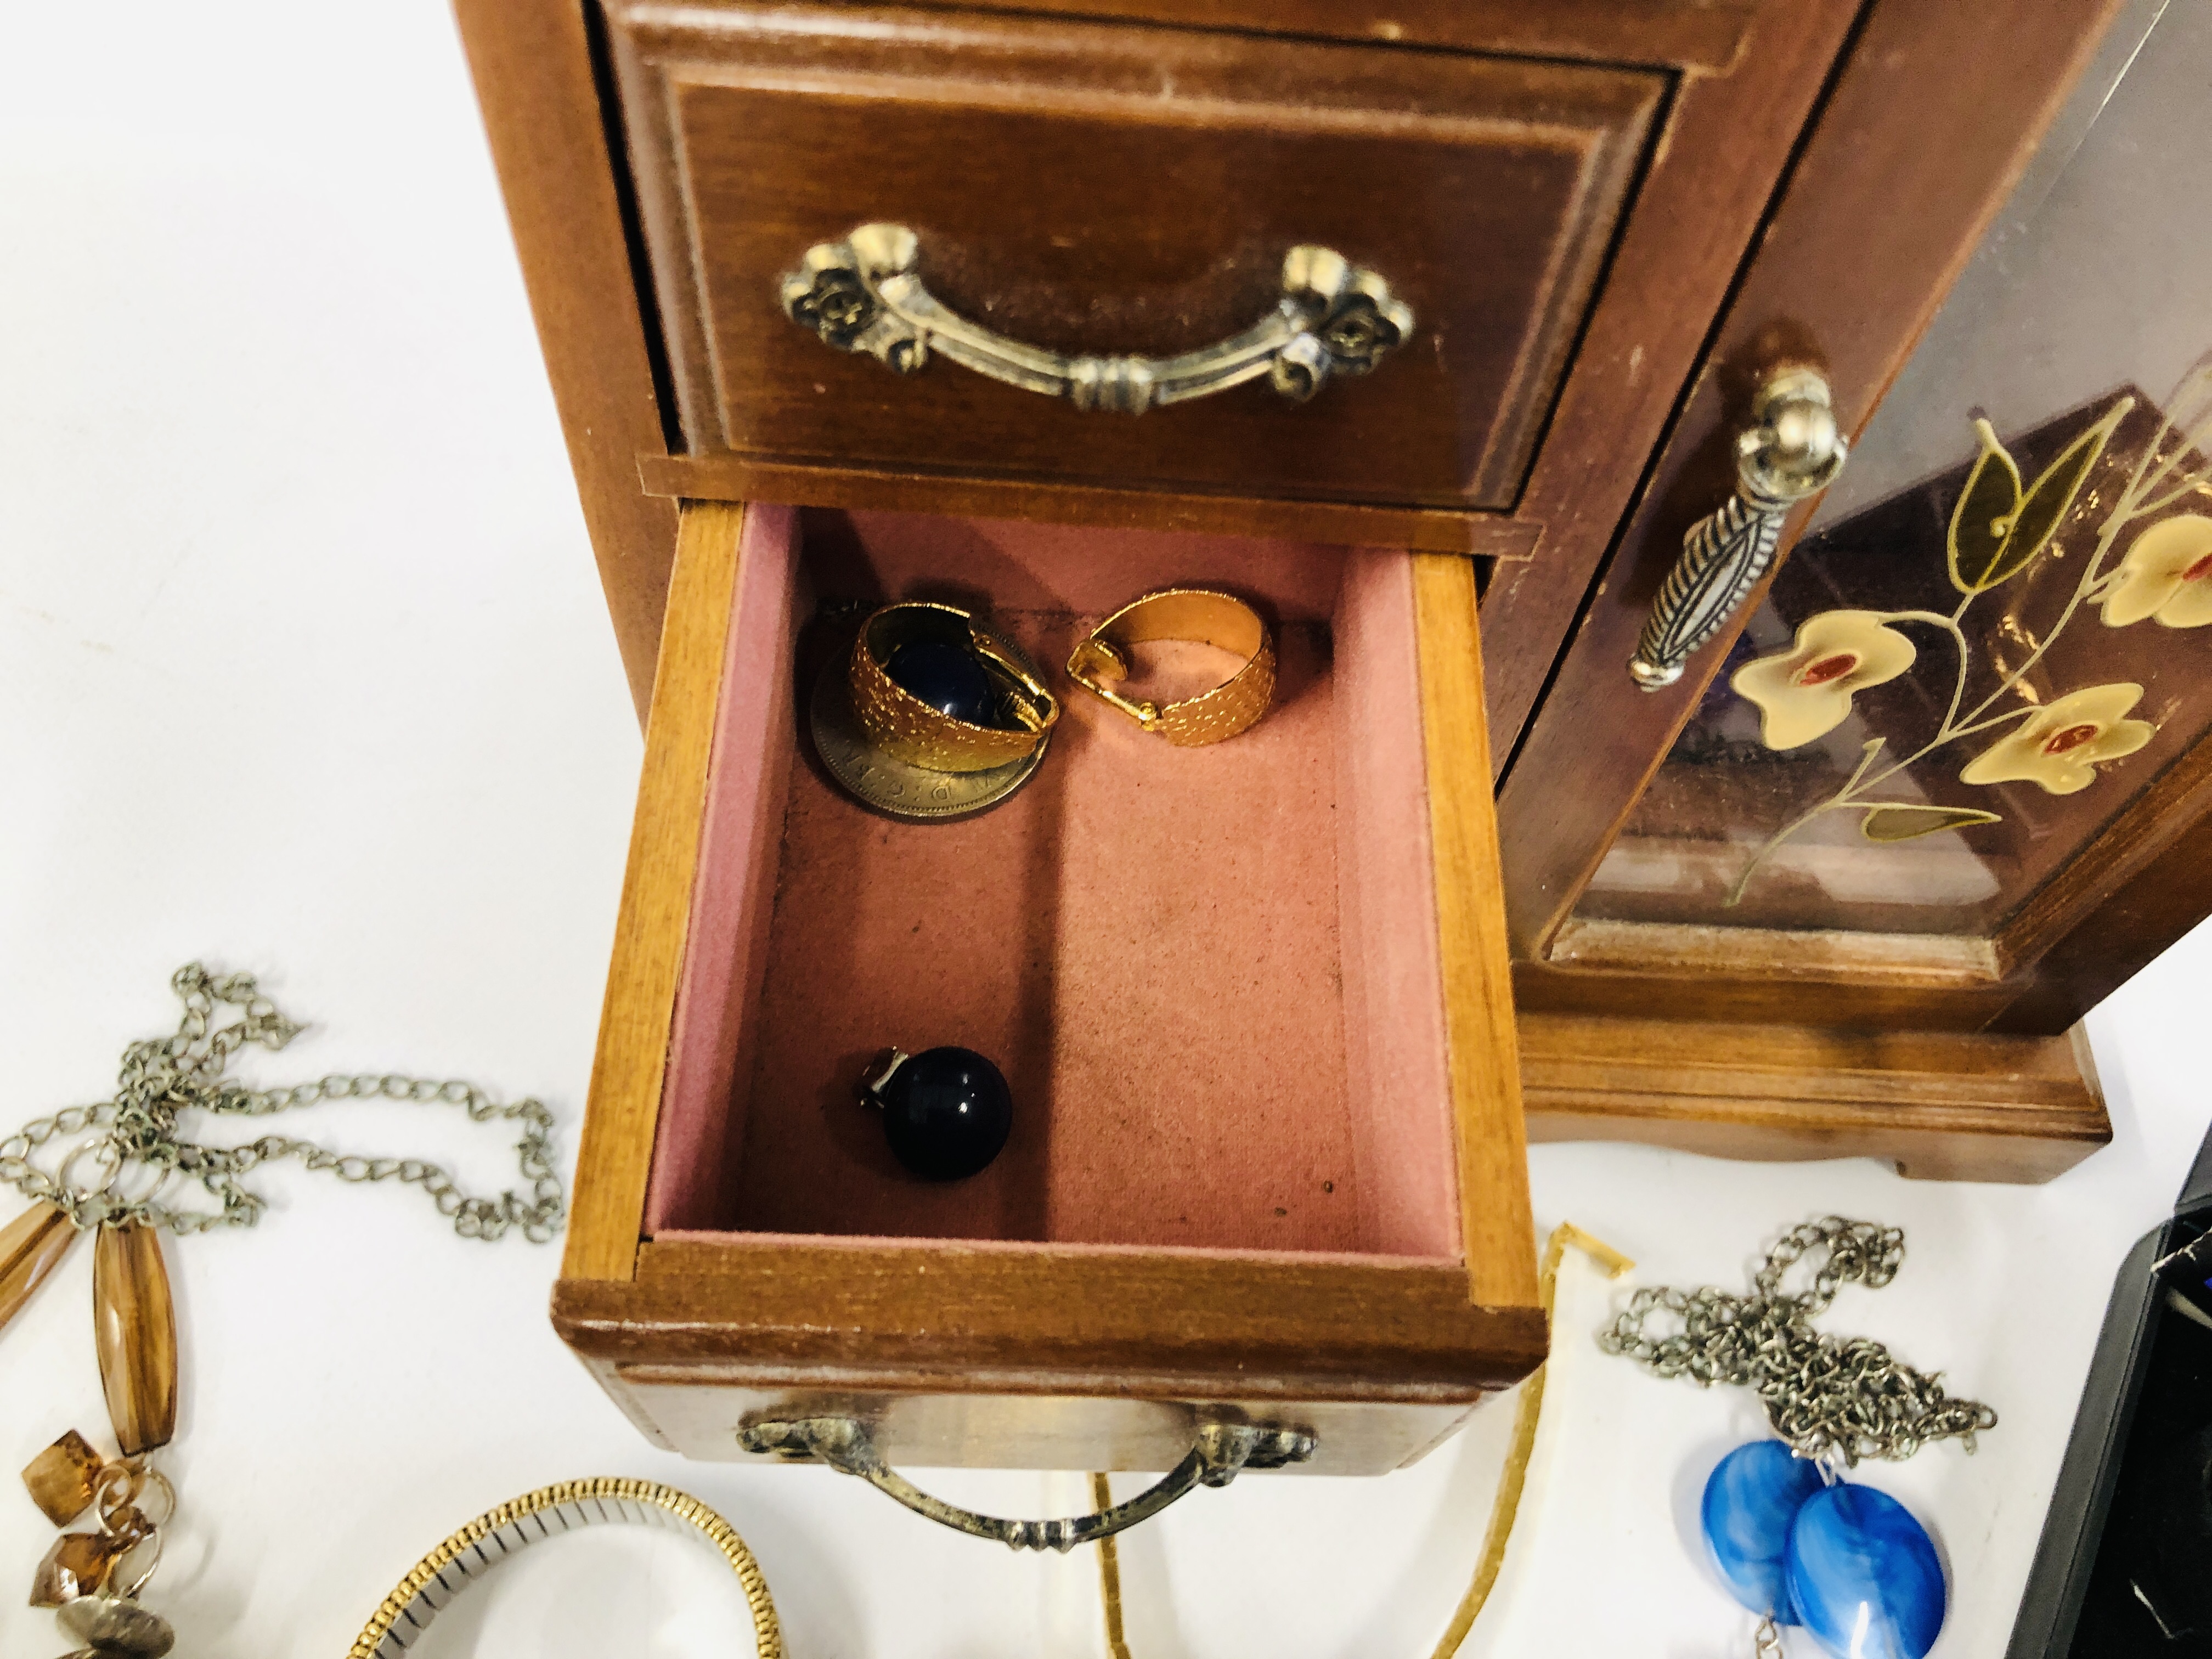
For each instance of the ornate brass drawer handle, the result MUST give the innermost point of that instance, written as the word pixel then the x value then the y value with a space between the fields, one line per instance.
pixel 1791 450
pixel 1220 1451
pixel 863 294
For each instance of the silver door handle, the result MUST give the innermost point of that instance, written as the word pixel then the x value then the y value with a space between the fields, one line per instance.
pixel 863 294
pixel 1220 1451
pixel 1791 450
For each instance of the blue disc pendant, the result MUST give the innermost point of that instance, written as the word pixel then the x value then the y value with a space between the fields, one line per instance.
pixel 1864 1575
pixel 1750 1502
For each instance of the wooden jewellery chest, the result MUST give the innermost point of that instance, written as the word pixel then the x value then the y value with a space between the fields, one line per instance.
pixel 1265 1203
pixel 1508 283
pixel 1352 310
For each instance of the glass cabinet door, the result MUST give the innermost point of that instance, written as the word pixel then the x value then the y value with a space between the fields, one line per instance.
pixel 1990 647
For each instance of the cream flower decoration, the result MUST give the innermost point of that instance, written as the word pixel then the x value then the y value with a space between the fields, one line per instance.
pixel 2168 573
pixel 2059 747
pixel 1808 690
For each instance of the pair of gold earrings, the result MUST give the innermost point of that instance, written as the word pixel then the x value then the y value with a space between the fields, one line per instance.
pixel 934 688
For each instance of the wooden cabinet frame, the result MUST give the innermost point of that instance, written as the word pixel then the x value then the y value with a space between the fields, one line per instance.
pixel 1745 78
pixel 1820 175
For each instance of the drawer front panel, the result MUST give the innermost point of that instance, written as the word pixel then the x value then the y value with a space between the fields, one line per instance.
pixel 700 1417
pixel 1113 191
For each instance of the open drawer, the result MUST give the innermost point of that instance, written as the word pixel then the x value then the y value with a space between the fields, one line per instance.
pixel 1266 1166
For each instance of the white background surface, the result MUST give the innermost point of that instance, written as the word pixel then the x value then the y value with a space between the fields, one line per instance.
pixel 304 669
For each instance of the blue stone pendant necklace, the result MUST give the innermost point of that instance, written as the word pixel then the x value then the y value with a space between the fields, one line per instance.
pixel 1796 1543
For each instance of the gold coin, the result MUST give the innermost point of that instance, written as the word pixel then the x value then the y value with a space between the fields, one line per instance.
pixel 890 787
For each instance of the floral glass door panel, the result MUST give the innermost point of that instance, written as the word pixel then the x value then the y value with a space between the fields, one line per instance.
pixel 1948 694
pixel 1997 632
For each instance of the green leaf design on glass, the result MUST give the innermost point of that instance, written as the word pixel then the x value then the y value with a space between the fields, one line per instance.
pixel 1981 523
pixel 1996 530
pixel 2048 500
pixel 1909 820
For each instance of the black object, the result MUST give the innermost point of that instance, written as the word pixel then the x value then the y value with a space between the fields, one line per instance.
pixel 946 1111
pixel 2124 1568
pixel 950 679
pixel 2187 1271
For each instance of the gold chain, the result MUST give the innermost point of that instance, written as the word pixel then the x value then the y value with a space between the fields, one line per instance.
pixel 1505 1509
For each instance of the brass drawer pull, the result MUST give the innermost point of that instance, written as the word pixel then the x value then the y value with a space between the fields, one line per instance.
pixel 863 294
pixel 1221 1451
pixel 1792 450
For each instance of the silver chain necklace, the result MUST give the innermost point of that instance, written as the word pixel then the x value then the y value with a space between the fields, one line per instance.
pixel 132 1140
pixel 111 1162
pixel 1828 1396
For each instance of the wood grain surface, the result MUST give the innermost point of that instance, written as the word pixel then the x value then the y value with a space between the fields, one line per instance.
pixel 1015 1319
pixel 1112 190
pixel 615 1156
pixel 532 60
pixel 740 479
pixel 1493 1173
pixel 1694 34
pixel 1727 130
pixel 1943 1106
pixel 1905 961
pixel 1668 988
pixel 697 1410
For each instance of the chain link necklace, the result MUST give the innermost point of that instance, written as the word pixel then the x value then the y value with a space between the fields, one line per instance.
pixel 1825 1395
pixel 113 1166
pixel 1796 1544
pixel 137 1136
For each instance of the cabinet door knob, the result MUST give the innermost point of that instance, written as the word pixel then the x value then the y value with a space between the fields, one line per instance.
pixel 1219 1451
pixel 863 294
pixel 1790 451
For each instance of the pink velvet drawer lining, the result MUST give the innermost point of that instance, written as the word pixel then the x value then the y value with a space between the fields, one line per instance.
pixel 1211 975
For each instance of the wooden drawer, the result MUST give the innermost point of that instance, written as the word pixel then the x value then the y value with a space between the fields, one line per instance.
pixel 1252 999
pixel 1103 190
pixel 1561 195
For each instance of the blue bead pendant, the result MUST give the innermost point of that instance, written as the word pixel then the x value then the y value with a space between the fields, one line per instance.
pixel 947 1112
pixel 1864 1576
pixel 1750 1501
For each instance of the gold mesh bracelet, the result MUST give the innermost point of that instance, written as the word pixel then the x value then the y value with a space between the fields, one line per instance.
pixel 493 1536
